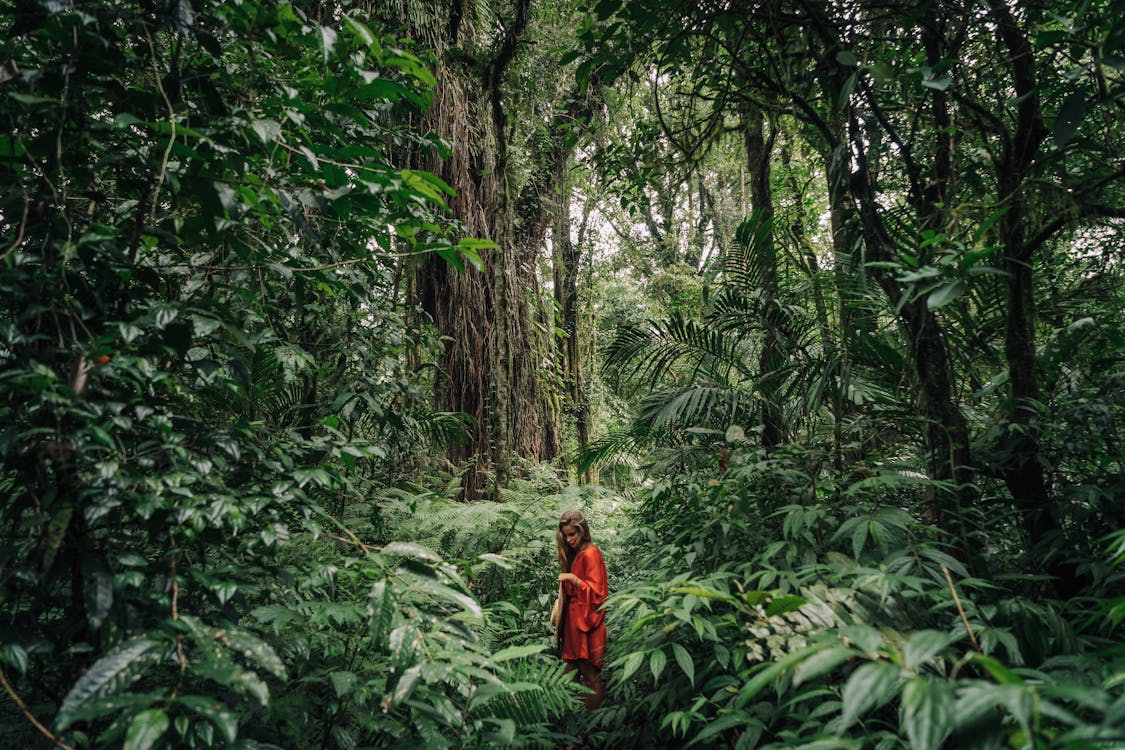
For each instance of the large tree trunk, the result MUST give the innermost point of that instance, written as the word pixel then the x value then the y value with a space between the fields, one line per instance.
pixel 497 349
pixel 461 304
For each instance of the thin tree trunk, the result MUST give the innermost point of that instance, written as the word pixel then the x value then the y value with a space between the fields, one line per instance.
pixel 568 257
pixel 811 267
pixel 946 431
pixel 758 151
pixel 1023 473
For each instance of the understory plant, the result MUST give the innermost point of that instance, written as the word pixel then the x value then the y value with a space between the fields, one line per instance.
pixel 202 368
pixel 763 616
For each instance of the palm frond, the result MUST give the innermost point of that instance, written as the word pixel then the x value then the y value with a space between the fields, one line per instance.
pixel 696 405
pixel 615 445
pixel 748 262
pixel 678 345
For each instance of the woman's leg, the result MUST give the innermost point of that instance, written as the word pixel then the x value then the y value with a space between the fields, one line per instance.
pixel 591 677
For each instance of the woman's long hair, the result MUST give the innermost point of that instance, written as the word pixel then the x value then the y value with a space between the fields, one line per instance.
pixel 566 554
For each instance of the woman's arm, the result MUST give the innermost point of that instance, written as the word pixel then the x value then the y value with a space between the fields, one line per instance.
pixel 588 574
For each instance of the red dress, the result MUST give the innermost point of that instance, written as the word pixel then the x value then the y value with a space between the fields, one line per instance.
pixel 583 626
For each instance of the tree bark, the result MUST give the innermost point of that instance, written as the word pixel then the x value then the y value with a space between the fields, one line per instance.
pixel 1023 474
pixel 771 357
pixel 493 321
pixel 946 431
pixel 568 258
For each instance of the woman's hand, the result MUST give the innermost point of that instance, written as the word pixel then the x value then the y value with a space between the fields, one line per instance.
pixel 570 578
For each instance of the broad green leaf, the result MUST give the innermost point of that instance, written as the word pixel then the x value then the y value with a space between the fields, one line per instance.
pixel 256 650
pixel 683 658
pixel 124 119
pixel 783 604
pixel 327 41
pixel 475 243
pixel 922 274
pixel 518 652
pixel 30 99
pixel 363 33
pixel 218 666
pixel 702 593
pixel 14 655
pixel 406 683
pixel 870 686
pixel 146 729
pixel 411 65
pixel 473 257
pixel 453 258
pixel 228 198
pixel 656 662
pixel 111 673
pixel 268 130
pixel 381 602
pixel 426 187
pixel 940 83
pixel 719 725
pixel 498 560
pixel 768 672
pixel 945 294
pixel 881 71
pixel 927 712
pixel 820 663
pixel 409 549
pixel 631 664
pixel 865 637
pixel 923 646
pixel 214 711
pixel 1069 117
pixel 999 672
pixel 343 682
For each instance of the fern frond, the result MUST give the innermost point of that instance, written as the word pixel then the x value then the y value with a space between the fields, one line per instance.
pixel 531 691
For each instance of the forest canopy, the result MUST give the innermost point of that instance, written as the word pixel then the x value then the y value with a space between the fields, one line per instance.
pixel 317 315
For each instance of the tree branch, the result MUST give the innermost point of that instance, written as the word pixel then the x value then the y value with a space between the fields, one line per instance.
pixel 30 716
pixel 1085 212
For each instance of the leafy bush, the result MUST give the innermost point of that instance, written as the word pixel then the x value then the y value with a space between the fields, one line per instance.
pixel 201 372
pixel 819 624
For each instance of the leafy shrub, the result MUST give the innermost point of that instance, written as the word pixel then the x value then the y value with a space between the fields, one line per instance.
pixel 763 624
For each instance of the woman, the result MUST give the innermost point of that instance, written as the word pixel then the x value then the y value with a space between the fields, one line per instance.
pixel 581 630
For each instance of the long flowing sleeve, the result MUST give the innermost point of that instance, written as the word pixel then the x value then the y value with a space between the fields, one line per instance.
pixel 587 596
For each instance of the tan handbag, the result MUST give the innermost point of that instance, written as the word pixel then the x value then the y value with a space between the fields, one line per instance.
pixel 556 609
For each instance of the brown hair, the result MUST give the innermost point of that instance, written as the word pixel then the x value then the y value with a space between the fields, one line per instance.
pixel 565 553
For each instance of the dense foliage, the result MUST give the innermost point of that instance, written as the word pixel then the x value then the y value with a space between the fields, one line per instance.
pixel 837 315
pixel 205 211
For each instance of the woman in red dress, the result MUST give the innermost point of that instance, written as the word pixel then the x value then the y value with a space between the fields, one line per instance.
pixel 581 631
